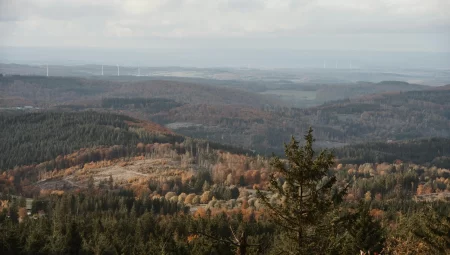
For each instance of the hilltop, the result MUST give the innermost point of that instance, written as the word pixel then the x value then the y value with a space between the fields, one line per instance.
pixel 434 151
pixel 49 91
pixel 248 119
pixel 32 138
pixel 333 93
pixel 391 116
pixel 375 117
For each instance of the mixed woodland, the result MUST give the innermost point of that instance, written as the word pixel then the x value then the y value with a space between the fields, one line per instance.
pixel 90 169
pixel 247 119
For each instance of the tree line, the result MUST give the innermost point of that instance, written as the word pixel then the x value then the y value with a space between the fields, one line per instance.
pixel 305 211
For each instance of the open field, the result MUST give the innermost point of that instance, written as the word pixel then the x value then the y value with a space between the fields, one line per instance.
pixel 122 172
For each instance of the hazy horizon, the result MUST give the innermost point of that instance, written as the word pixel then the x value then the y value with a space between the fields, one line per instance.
pixel 232 33
pixel 233 58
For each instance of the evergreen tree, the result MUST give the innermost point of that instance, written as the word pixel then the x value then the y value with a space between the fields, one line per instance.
pixel 366 234
pixel 91 183
pixel 422 232
pixel 305 197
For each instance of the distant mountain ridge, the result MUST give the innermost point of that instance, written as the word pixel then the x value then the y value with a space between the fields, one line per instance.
pixel 43 91
pixel 361 89
pixel 245 119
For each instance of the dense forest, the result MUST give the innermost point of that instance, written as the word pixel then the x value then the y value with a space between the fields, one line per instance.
pixel 395 116
pixel 244 118
pixel 121 224
pixel 333 93
pixel 151 105
pixel 49 91
pixel 96 170
pixel 36 137
pixel 370 208
pixel 435 151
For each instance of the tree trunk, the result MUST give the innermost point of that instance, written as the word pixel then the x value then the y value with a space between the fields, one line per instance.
pixel 242 248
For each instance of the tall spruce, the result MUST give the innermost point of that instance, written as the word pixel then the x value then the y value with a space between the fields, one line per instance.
pixel 367 234
pixel 304 197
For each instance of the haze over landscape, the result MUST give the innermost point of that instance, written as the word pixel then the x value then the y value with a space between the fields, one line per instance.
pixel 224 127
pixel 233 33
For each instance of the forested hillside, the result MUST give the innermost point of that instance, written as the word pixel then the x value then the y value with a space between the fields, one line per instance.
pixel 47 91
pixel 37 137
pixel 44 91
pixel 147 105
pixel 231 127
pixel 242 118
pixel 188 198
pixel 435 151
pixel 333 93
pixel 394 116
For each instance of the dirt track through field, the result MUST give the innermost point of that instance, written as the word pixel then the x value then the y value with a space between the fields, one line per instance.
pixel 120 172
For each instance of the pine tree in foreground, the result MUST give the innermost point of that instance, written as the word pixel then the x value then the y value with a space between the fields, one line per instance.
pixel 305 197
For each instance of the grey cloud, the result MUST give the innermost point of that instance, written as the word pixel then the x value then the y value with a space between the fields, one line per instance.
pixel 208 20
pixel 11 10
pixel 16 10
pixel 242 6
pixel 64 11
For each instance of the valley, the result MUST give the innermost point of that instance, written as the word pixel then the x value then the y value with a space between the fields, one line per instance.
pixel 232 127
pixel 248 119
pixel 169 151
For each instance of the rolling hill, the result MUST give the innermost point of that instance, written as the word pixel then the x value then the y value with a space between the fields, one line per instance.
pixel 49 91
pixel 246 119
pixel 435 151
pixel 376 117
pixel 32 138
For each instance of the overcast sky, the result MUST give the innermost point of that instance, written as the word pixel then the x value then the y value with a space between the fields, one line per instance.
pixel 386 25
